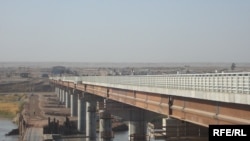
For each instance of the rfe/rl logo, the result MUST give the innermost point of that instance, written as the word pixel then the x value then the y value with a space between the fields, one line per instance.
pixel 224 132
pixel 229 132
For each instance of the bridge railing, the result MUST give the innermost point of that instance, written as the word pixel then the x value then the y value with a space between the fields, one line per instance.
pixel 212 82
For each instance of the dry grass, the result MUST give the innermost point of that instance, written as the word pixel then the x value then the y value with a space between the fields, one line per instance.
pixel 11 104
pixel 9 109
pixel 12 97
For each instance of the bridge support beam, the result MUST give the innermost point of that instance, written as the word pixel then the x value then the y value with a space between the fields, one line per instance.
pixel 81 124
pixel 90 116
pixel 91 120
pixel 63 95
pixel 73 106
pixel 57 91
pixel 137 125
pixel 67 101
pixel 60 95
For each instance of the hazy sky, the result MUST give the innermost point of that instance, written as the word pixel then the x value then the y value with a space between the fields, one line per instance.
pixel 125 30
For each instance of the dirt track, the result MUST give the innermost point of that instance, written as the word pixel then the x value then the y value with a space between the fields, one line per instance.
pixel 44 105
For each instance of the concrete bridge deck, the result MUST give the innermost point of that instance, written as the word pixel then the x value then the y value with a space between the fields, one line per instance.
pixel 215 97
pixel 224 87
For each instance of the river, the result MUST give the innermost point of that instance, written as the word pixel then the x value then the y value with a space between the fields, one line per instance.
pixel 6 125
pixel 119 136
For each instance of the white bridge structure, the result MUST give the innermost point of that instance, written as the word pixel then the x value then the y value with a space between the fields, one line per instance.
pixel 198 99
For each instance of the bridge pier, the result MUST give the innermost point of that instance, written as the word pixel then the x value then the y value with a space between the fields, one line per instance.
pixel 81 124
pixel 91 120
pixel 67 101
pixel 87 105
pixel 73 104
pixel 60 94
pixel 137 125
pixel 57 91
pixel 137 119
pixel 105 124
pixel 63 95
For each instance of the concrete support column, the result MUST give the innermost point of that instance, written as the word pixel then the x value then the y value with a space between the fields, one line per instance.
pixel 63 96
pixel 137 125
pixel 91 120
pixel 57 91
pixel 73 106
pixel 60 95
pixel 105 126
pixel 67 101
pixel 81 125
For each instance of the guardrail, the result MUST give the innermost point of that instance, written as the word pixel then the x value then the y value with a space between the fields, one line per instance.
pixel 211 82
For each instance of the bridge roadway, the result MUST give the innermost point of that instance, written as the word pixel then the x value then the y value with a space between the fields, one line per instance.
pixel 33 134
pixel 203 99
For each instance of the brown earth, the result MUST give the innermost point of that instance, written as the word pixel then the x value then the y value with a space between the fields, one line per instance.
pixel 25 85
pixel 42 106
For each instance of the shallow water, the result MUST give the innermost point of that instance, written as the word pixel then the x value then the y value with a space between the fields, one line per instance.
pixel 119 136
pixel 6 126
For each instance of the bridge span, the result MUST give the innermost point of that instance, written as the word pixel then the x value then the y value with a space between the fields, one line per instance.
pixel 201 99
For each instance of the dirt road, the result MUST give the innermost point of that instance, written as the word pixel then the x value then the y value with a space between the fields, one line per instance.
pixel 40 107
pixel 33 134
pixel 44 105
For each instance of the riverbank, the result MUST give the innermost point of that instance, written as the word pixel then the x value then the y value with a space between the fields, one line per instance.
pixel 11 104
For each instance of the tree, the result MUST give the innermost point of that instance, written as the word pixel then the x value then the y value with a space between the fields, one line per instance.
pixel 233 66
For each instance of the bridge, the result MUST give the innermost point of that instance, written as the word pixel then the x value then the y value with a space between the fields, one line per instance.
pixel 194 99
